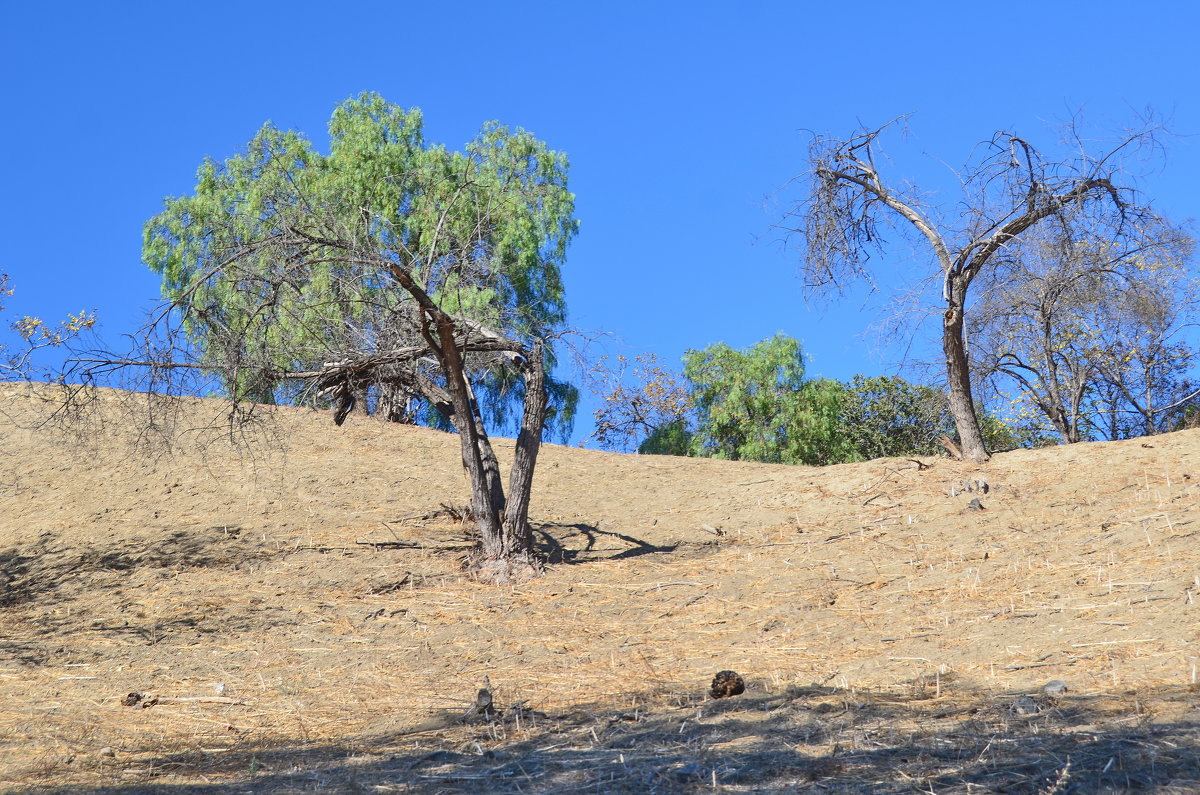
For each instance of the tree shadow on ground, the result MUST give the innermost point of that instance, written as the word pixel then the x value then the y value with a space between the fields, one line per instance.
pixel 551 539
pixel 807 739
pixel 52 562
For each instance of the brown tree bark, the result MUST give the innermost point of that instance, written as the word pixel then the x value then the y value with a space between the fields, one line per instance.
pixel 499 550
pixel 958 376
pixel 484 508
pixel 529 443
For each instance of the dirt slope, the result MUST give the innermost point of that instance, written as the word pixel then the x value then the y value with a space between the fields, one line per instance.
pixel 295 605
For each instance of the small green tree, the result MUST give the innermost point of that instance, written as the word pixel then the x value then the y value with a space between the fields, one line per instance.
pixel 886 416
pixel 378 182
pixel 674 438
pixel 387 263
pixel 754 405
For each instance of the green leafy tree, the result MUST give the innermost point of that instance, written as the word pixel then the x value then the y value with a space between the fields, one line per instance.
pixel 389 263
pixel 886 416
pixel 674 438
pixel 754 405
pixel 378 182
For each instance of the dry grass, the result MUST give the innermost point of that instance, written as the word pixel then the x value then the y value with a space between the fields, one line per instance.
pixel 296 607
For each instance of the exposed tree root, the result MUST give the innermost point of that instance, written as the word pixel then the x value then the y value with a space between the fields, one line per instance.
pixel 514 570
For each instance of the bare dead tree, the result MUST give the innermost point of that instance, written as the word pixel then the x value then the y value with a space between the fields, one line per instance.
pixel 638 399
pixel 850 204
pixel 1085 323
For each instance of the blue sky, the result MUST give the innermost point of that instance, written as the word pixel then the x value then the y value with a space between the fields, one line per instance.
pixel 684 121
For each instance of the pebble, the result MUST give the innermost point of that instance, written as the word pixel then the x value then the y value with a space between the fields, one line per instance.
pixel 1024 705
pixel 1054 688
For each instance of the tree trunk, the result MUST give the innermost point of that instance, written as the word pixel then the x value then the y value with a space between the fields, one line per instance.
pixel 1063 424
pixel 493 537
pixel 393 404
pixel 505 552
pixel 484 510
pixel 529 443
pixel 958 374
pixel 487 456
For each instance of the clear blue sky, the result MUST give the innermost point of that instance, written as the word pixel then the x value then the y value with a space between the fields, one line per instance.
pixel 682 121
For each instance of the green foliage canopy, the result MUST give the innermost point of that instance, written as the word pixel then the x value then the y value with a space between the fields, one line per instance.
pixel 674 438
pixel 387 189
pixel 755 405
pixel 887 416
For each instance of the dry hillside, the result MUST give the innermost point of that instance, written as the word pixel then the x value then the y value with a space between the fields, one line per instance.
pixel 291 614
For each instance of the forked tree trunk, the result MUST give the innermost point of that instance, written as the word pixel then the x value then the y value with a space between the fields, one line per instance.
pixel 506 549
pixel 505 552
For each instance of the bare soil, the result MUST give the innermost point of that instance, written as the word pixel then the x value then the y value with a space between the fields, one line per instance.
pixel 286 600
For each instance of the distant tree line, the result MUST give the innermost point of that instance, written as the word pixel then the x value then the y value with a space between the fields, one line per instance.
pixel 757 405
